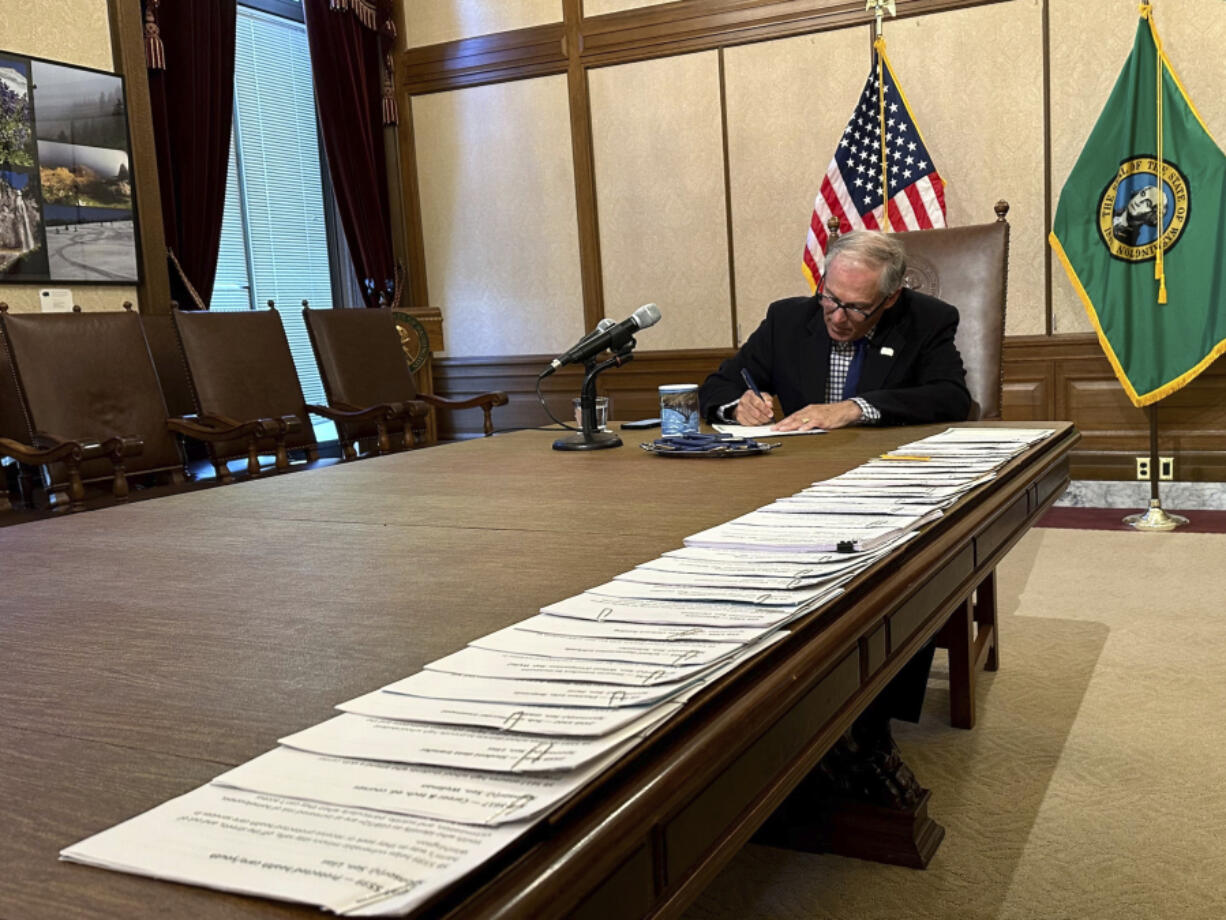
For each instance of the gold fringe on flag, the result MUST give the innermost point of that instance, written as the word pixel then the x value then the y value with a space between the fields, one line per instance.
pixel 155 51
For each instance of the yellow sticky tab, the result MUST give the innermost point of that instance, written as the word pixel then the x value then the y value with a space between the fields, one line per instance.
pixel 903 457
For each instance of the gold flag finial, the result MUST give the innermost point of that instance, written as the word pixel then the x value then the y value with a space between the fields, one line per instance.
pixel 879 7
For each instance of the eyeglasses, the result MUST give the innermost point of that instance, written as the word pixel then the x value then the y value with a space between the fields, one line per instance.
pixel 830 303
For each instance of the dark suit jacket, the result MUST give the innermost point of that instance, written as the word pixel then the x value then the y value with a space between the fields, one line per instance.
pixel 912 372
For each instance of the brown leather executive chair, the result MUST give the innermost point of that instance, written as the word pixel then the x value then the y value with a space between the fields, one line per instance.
pixel 88 389
pixel 363 366
pixel 969 268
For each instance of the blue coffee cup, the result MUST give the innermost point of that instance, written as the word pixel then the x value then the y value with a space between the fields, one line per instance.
pixel 678 409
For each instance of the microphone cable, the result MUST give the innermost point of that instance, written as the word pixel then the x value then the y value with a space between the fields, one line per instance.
pixel 544 405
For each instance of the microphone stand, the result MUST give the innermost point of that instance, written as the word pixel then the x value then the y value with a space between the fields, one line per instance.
pixel 591 437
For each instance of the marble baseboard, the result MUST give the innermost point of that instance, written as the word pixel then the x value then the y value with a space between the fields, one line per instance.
pixel 1176 496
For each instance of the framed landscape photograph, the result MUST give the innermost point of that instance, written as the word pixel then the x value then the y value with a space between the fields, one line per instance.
pixel 66 208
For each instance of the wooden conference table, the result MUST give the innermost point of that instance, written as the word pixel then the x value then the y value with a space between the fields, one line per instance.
pixel 146 648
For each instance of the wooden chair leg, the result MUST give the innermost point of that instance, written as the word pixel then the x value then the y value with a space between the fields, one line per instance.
pixel 957 635
pixel 7 497
pixel 27 485
pixel 120 484
pixel 985 619
pixel 76 488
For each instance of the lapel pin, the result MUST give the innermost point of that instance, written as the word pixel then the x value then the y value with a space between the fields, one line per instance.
pixel 887 351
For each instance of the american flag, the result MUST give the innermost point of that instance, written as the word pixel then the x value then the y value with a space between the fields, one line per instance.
pixel 851 188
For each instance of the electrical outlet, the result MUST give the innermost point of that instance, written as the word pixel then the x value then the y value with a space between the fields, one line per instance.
pixel 1166 468
pixel 1143 469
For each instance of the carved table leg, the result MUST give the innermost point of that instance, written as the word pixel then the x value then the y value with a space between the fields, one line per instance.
pixel 861 800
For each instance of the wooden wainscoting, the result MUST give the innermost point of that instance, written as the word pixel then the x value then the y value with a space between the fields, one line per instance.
pixel 1046 377
pixel 1068 377
pixel 633 389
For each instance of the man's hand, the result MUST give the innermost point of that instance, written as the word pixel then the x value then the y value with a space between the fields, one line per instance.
pixel 822 415
pixel 754 409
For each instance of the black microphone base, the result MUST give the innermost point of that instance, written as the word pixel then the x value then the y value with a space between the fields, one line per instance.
pixel 593 440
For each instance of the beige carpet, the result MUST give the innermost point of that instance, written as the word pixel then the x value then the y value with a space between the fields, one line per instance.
pixel 1093 786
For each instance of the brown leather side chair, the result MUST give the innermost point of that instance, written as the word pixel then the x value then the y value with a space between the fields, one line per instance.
pixel 89 391
pixel 242 375
pixel 364 368
pixel 363 371
pixel 969 267
pixel 18 483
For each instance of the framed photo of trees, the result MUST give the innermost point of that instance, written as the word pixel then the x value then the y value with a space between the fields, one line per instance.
pixel 66 208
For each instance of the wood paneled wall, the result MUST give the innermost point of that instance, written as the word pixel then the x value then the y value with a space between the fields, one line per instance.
pixel 1054 371
pixel 1046 377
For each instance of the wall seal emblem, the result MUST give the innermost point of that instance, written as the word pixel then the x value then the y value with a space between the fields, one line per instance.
pixel 413 338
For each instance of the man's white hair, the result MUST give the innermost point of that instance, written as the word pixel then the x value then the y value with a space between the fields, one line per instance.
pixel 874 248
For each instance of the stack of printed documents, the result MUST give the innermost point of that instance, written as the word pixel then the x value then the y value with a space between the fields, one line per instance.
pixel 413 785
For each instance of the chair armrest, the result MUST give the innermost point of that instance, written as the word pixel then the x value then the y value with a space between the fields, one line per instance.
pixel 55 450
pixel 211 427
pixel 222 428
pixel 73 453
pixel 343 412
pixel 116 448
pixel 495 398
pixel 70 453
pixel 411 413
pixel 280 426
pixel 486 401
pixel 119 447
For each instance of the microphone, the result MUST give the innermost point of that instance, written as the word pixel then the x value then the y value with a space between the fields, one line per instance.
pixel 603 326
pixel 614 337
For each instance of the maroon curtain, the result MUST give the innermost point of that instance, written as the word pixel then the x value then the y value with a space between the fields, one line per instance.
pixel 193 110
pixel 349 41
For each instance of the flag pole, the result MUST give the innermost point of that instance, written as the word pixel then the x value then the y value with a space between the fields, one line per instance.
pixel 879 8
pixel 1155 519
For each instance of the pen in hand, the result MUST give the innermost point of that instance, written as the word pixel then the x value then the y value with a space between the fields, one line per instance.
pixel 753 387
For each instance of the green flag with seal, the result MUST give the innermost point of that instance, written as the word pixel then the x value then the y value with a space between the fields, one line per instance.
pixel 1147 256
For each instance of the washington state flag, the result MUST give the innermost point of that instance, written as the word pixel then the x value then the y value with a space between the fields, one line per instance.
pixel 1141 228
